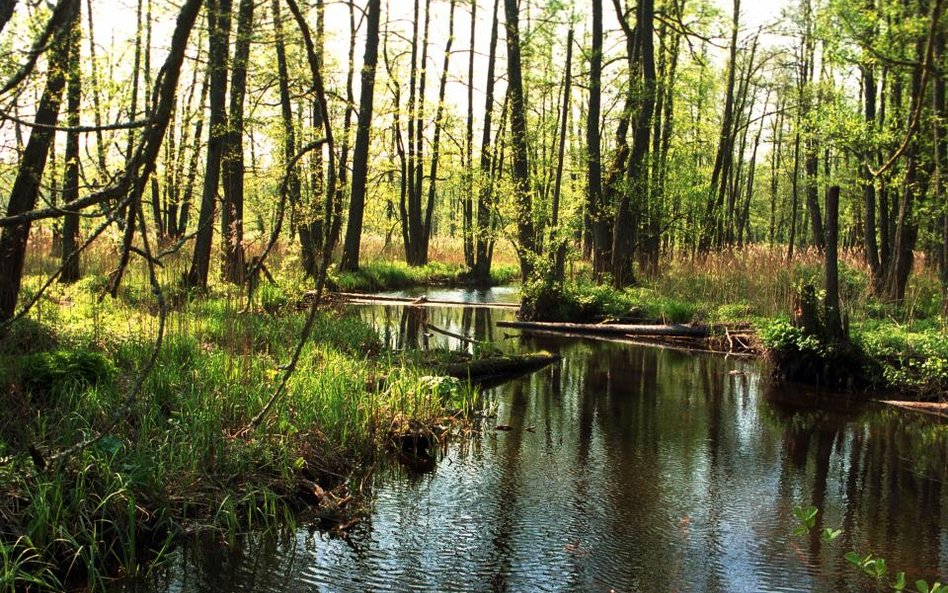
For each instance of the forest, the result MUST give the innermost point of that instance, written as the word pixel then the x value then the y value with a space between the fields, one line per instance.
pixel 201 199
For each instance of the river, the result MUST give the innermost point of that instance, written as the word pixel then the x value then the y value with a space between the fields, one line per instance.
pixel 627 468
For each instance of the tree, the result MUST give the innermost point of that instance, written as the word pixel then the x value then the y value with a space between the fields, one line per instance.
pixel 360 157
pixel 527 247
pixel 594 204
pixel 232 165
pixel 484 225
pixel 218 17
pixel 70 257
pixel 26 186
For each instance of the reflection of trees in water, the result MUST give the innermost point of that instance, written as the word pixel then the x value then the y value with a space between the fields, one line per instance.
pixel 509 485
pixel 477 324
pixel 411 333
pixel 875 473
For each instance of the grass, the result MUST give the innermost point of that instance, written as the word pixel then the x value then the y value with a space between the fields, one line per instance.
pixel 179 462
pixel 378 276
pixel 901 347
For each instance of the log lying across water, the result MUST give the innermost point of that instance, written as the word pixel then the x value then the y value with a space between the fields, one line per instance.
pixel 499 368
pixel 358 298
pixel 675 330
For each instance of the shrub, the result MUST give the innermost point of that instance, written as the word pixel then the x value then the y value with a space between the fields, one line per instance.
pixel 60 370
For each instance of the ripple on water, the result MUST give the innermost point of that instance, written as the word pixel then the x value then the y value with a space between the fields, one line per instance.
pixel 645 470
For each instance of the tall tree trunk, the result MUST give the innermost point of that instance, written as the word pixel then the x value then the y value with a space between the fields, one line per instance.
pixel 96 96
pixel 70 259
pixel 594 201
pixel 775 153
pixel 360 156
pixel 188 191
pixel 232 165
pixel 315 226
pixel 794 191
pixel 334 210
pixel 485 198
pixel 468 208
pixel 722 161
pixel 26 186
pixel 558 238
pixel 436 141
pixel 623 243
pixel 834 325
pixel 219 14
pixel 917 173
pixel 870 247
pixel 743 223
pixel 518 137
pixel 293 187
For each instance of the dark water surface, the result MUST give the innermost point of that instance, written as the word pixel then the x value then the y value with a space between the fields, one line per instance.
pixel 628 468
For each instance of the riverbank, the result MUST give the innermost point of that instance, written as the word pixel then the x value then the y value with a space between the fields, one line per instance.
pixel 900 348
pixel 381 276
pixel 183 455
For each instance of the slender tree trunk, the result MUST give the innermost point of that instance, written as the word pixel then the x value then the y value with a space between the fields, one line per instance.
pixel 316 226
pixel 26 186
pixel 594 201
pixel 518 137
pixel 293 184
pixel 794 191
pixel 775 153
pixel 743 223
pixel 834 325
pixel 869 188
pixel 485 199
pixel 70 259
pixel 558 237
pixel 219 14
pixel 350 255
pixel 436 141
pixel 623 243
pixel 96 96
pixel 188 191
pixel 722 161
pixel 232 165
pixel 468 209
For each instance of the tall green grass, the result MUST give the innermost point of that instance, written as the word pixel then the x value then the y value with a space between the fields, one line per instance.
pixel 181 461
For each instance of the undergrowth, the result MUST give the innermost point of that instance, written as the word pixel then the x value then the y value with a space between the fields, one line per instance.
pixel 181 460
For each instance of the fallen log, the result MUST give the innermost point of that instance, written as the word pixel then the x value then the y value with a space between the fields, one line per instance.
pixel 498 368
pixel 675 330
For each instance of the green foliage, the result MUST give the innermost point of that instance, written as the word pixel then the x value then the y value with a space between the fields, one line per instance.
pixel 806 516
pixel 272 297
pixel 62 370
pixel 874 567
pixel 175 459
pixel 781 335
pixel 584 301
pixel 911 357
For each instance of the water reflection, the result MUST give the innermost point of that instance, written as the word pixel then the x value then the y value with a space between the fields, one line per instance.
pixel 628 468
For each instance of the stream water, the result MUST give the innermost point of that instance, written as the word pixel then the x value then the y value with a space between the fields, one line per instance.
pixel 628 468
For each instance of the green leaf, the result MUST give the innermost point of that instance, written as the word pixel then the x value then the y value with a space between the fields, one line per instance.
pixel 856 560
pixel 921 585
pixel 899 584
